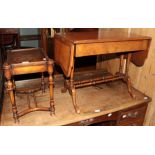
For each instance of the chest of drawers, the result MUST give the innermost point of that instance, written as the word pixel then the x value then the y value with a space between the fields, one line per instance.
pixel 133 116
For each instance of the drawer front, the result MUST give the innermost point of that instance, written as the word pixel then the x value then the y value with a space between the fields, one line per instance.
pixel 132 115
pixel 132 123
pixel 86 122
pixel 110 47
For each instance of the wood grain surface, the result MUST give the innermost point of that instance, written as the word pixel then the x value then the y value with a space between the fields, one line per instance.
pixel 112 98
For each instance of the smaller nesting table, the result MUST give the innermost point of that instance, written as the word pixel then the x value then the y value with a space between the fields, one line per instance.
pixel 26 61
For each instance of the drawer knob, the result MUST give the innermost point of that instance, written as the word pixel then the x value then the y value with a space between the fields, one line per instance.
pixel 136 113
pixel 124 116
pixel 109 115
pixel 91 119
pixel 87 121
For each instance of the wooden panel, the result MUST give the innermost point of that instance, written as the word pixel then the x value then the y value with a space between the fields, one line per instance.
pixel 99 119
pixel 110 47
pixel 28 69
pixel 22 55
pixel 63 55
pixel 132 115
pixel 138 122
pixel 143 77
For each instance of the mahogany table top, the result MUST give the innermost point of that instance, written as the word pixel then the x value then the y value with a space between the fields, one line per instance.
pixel 91 37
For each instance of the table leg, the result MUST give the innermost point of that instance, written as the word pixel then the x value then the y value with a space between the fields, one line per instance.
pixel 121 63
pixel 127 78
pixel 51 85
pixel 66 83
pixel 10 89
pixel 28 101
pixel 42 83
pixel 72 92
pixel 69 85
pixel 35 101
pixel 120 72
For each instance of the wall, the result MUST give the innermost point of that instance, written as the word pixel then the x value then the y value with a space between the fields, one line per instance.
pixel 29 31
pixel 143 78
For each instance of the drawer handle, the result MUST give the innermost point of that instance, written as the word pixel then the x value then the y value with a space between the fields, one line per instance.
pixel 91 119
pixel 109 115
pixel 85 122
pixel 136 113
pixel 124 116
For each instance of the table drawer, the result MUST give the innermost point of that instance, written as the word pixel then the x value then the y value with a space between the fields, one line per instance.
pixel 110 47
pixel 94 120
pixel 132 115
pixel 138 122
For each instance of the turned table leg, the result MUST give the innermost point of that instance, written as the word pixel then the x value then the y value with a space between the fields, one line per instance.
pixel 51 85
pixel 10 89
pixel 42 83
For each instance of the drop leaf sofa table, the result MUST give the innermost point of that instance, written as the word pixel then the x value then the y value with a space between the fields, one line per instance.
pixel 70 45
pixel 26 61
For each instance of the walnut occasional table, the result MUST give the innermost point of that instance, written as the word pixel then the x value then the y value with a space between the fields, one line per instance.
pixel 68 46
pixel 26 61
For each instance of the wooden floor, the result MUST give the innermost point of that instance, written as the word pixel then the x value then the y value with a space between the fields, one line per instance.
pixel 103 97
